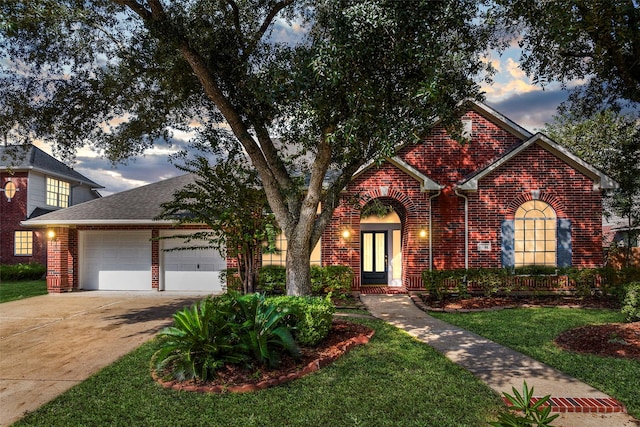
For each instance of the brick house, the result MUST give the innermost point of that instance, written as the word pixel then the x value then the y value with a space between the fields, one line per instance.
pixel 33 183
pixel 506 198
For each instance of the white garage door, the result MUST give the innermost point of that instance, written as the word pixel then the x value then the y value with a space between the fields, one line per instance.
pixel 115 260
pixel 190 270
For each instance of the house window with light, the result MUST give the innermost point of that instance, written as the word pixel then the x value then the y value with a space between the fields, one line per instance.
pixel 280 256
pixel 23 243
pixel 58 193
pixel 535 239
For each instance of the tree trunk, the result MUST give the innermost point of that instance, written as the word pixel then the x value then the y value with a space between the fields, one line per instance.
pixel 298 267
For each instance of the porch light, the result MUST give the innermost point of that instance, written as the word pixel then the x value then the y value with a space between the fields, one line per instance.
pixel 346 233
pixel 51 234
pixel 423 233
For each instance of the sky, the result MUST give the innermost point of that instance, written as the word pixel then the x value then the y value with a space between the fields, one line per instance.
pixel 512 94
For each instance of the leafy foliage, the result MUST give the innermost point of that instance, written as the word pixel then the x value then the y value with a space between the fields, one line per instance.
pixel 32 271
pixel 580 39
pixel 533 414
pixel 263 330
pixel 228 198
pixel 631 302
pixel 331 279
pixel 227 329
pixel 311 317
pixel 201 340
pixel 272 279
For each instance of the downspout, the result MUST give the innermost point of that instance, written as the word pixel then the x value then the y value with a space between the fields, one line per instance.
pixel 466 228
pixel 431 229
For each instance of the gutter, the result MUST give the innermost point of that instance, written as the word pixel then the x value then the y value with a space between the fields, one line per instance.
pixel 431 229
pixel 466 228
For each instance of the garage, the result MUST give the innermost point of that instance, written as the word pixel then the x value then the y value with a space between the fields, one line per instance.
pixel 189 270
pixel 115 260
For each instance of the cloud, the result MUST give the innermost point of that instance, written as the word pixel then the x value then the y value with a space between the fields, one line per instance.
pixel 531 110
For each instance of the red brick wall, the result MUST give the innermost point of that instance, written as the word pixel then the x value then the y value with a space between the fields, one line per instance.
pixel 500 193
pixel 569 192
pixel 11 214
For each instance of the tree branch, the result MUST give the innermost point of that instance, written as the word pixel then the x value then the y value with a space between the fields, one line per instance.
pixel 236 23
pixel 136 7
pixel 265 25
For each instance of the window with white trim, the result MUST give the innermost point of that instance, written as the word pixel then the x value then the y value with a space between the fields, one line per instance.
pixel 535 239
pixel 23 243
pixel 280 256
pixel 58 193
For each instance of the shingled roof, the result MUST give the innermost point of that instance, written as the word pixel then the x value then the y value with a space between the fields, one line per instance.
pixel 136 206
pixel 30 157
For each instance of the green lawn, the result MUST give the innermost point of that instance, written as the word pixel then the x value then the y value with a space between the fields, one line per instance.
pixel 531 331
pixel 392 381
pixel 10 291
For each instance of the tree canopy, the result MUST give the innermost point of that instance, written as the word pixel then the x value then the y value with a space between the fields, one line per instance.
pixel 360 77
pixel 597 41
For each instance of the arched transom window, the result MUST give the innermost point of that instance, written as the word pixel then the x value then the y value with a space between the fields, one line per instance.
pixel 535 234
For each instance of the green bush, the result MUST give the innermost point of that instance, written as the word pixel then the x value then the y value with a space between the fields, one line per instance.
pixel 311 319
pixel 333 279
pixel 201 340
pixel 490 280
pixel 631 302
pixel 439 283
pixel 226 329
pixel 32 271
pixel 272 279
pixel 582 279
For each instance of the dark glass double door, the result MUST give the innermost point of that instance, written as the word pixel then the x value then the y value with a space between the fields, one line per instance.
pixel 374 258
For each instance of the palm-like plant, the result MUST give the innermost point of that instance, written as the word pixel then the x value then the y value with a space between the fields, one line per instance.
pixel 200 341
pixel 264 331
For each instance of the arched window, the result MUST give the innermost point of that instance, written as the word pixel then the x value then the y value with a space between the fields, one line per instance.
pixel 535 240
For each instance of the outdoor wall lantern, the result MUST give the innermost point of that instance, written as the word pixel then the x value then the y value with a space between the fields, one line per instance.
pixel 423 233
pixel 51 235
pixel 346 233
pixel 10 190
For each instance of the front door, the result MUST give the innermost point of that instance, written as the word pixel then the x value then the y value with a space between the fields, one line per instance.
pixel 374 258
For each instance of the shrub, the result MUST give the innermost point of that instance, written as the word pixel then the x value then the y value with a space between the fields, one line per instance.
pixel 631 302
pixel 439 282
pixel 311 319
pixel 530 414
pixel 333 279
pixel 583 279
pixel 272 279
pixel 32 271
pixel 535 270
pixel 490 280
pixel 263 330
pixel 200 341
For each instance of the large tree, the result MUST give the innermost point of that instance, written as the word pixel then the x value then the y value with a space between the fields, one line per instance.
pixel 362 77
pixel 571 40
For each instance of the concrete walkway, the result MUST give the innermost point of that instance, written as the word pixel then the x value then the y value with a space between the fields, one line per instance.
pixel 499 367
pixel 52 342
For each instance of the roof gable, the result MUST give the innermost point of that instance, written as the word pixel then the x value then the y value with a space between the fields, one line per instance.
pixel 600 180
pixel 426 183
pixel 30 157
pixel 136 206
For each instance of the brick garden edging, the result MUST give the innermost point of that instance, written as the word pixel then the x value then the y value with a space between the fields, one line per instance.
pixel 339 350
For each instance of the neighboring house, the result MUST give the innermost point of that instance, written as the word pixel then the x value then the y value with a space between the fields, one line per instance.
pixel 115 243
pixel 506 198
pixel 33 183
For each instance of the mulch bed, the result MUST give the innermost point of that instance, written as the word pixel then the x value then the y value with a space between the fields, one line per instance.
pixel 237 379
pixel 612 340
pixel 513 301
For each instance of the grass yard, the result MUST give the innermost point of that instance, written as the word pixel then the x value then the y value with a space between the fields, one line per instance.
pixel 15 290
pixel 532 331
pixel 393 381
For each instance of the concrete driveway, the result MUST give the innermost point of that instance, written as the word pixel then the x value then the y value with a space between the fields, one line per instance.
pixel 52 342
